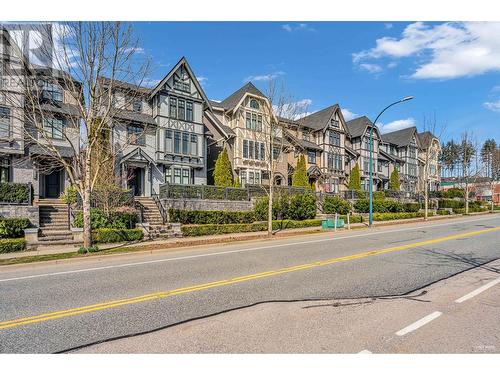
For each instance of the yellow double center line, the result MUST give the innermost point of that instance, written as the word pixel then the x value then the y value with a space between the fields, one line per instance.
pixel 148 297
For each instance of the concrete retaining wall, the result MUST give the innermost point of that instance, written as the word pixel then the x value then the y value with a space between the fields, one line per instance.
pixel 31 212
pixel 207 205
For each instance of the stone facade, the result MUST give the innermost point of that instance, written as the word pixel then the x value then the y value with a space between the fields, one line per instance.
pixel 207 205
pixel 30 212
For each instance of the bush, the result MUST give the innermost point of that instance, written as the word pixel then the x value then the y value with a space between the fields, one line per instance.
pixel 211 217
pixel 363 205
pixel 411 207
pixel 211 229
pixel 295 207
pixel 11 192
pixel 124 218
pixel 13 227
pixel 460 211
pixel 302 207
pixel 443 212
pixel 397 215
pixel 70 195
pixel 451 193
pixel 336 205
pixel 10 245
pixel 91 249
pixel 450 203
pixel 379 195
pixel 107 235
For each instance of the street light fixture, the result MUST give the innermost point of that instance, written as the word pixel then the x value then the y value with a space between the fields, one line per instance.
pixel 405 99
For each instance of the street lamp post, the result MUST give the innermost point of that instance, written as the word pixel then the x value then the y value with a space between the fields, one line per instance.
pixel 405 99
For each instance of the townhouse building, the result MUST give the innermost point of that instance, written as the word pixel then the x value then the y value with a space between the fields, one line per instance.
pixel 404 144
pixel 359 141
pixel 322 138
pixel 243 124
pixel 51 107
pixel 428 159
pixel 159 135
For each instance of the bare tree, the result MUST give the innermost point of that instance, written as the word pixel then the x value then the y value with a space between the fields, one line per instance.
pixel 467 152
pixel 430 156
pixel 280 106
pixel 81 54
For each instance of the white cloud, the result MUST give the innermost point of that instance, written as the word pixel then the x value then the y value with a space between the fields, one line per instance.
pixel 495 88
pixel 371 68
pixel 133 50
pixel 388 25
pixel 264 77
pixel 294 110
pixel 492 106
pixel 298 27
pixel 445 51
pixel 392 64
pixel 348 115
pixel 396 125
pixel 150 82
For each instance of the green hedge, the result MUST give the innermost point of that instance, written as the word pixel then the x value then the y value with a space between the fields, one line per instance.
pixel 287 207
pixel 336 205
pixel 210 229
pixel 210 217
pixel 125 219
pixel 397 215
pixel 443 212
pixel 450 203
pixel 362 205
pixel 13 227
pixel 9 245
pixel 108 235
pixel 451 193
pixel 11 192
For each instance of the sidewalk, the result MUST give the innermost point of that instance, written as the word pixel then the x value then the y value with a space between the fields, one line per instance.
pixel 163 244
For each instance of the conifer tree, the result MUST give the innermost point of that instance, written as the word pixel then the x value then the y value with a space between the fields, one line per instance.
pixel 394 181
pixel 299 177
pixel 223 174
pixel 355 179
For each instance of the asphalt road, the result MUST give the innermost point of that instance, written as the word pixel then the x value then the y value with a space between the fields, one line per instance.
pixel 58 307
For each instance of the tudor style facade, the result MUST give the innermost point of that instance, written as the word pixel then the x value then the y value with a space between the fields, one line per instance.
pixel 25 153
pixel 160 135
pixel 428 159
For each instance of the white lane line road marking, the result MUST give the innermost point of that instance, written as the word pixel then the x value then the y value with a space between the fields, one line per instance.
pixel 478 291
pixel 365 352
pixel 374 233
pixel 419 323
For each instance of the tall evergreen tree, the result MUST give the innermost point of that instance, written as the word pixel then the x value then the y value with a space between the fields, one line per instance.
pixel 487 155
pixel 394 183
pixel 223 173
pixel 299 177
pixel 355 179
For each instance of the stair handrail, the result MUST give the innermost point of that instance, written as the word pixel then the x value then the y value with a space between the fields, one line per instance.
pixel 159 205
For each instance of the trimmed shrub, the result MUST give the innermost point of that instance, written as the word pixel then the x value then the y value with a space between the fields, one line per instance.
pixel 123 218
pixel 397 215
pixel 13 227
pixel 299 176
pixel 379 195
pixel 91 249
pixel 336 205
pixel 394 183
pixel 211 229
pixel 443 212
pixel 223 173
pixel 11 192
pixel 363 205
pixel 211 217
pixel 302 207
pixel 10 245
pixel 411 207
pixel 108 235
pixel 450 203
pixel 451 193
pixel 355 179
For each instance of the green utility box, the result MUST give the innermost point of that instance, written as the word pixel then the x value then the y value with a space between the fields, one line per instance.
pixel 330 223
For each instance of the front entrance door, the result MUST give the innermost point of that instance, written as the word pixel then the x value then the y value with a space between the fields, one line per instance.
pixel 136 181
pixel 53 185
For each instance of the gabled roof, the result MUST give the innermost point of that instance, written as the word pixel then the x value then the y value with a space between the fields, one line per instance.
pixel 137 155
pixel 351 151
pixel 357 127
pixel 389 156
pixel 425 139
pixel 401 137
pixel 303 144
pixel 224 129
pixel 123 85
pixel 182 61
pixel 232 100
pixel 319 120
pixel 132 116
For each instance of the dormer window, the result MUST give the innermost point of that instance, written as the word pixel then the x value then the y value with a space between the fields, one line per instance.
pixel 254 104
pixel 52 92
pixel 305 135
pixel 334 123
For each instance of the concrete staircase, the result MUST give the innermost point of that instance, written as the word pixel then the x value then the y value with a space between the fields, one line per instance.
pixel 54 223
pixel 152 216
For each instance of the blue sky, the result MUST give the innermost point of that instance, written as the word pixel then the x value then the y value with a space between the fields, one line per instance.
pixel 452 69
